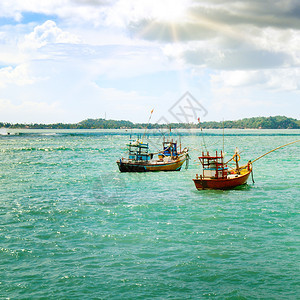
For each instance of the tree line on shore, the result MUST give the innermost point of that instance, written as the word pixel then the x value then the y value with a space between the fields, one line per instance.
pixel 277 122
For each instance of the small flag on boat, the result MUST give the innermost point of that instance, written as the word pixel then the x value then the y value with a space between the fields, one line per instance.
pixel 199 120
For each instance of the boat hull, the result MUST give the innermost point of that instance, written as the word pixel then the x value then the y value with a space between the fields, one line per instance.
pixel 151 166
pixel 221 184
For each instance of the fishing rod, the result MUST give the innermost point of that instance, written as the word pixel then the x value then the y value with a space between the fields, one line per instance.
pixel 265 153
pixel 274 150
pixel 147 124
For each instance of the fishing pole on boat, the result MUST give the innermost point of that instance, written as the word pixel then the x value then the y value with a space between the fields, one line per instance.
pixel 147 123
pixel 236 154
pixel 202 135
pixel 274 150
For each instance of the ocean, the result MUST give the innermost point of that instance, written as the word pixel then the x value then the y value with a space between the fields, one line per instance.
pixel 74 227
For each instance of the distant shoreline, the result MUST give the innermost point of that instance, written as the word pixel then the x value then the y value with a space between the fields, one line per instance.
pixel 277 122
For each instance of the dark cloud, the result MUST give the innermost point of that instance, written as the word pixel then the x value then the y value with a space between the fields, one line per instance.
pixel 268 13
pixel 251 59
pixel 232 33
pixel 205 21
pixel 295 12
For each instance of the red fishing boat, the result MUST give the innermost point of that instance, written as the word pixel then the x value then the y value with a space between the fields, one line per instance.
pixel 216 174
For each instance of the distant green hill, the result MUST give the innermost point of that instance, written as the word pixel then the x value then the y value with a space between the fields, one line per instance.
pixel 277 122
pixel 102 123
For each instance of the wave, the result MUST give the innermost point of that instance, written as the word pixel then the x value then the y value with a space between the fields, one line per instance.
pixel 7 133
pixel 175 133
pixel 54 149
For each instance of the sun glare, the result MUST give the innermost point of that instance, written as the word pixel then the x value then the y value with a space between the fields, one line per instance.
pixel 169 10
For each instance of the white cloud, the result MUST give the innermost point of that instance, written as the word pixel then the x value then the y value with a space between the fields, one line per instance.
pixel 125 12
pixel 19 76
pixel 276 80
pixel 47 33
pixel 28 111
pixel 235 79
pixel 278 40
pixel 15 8
pixel 79 11
pixel 287 80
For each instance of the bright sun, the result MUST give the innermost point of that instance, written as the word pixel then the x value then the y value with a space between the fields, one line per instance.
pixel 169 10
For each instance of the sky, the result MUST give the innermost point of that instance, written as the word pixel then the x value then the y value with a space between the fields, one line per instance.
pixel 69 60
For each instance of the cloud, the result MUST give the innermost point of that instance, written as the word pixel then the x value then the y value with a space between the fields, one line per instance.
pixel 47 33
pixel 91 55
pixel 78 11
pixel 214 17
pixel 28 111
pixel 15 9
pixel 230 34
pixel 240 59
pixel 238 78
pixel 275 80
pixel 19 76
pixel 279 14
pixel 94 3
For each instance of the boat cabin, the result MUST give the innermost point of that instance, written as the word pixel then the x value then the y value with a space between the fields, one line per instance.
pixel 170 149
pixel 138 151
pixel 213 166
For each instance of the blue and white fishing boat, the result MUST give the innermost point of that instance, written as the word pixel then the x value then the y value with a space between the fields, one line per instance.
pixel 140 160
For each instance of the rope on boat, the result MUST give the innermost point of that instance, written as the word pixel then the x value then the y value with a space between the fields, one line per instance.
pixel 274 150
pixel 187 161
pixel 252 176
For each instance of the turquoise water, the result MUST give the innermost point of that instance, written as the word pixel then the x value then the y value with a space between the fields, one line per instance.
pixel 73 227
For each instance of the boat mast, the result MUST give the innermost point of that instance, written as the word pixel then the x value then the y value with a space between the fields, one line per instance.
pixel 236 160
pixel 223 138
pixel 147 124
pixel 180 143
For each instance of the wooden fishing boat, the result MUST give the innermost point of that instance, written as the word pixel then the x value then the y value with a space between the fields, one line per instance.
pixel 216 174
pixel 140 160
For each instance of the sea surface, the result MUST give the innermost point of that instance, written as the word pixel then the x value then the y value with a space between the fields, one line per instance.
pixel 73 227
